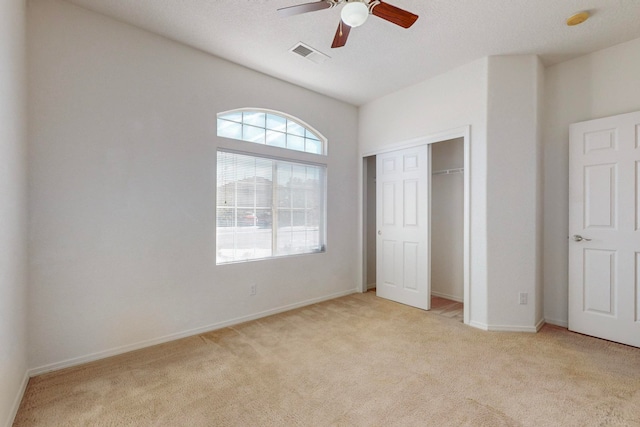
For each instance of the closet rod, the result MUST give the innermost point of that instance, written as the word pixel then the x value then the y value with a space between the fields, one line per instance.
pixel 448 171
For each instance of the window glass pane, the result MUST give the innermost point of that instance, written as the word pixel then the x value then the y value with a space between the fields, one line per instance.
pixel 294 128
pixel 246 193
pixel 247 227
pixel 226 180
pixel 244 167
pixel 264 219
pixel 234 117
pixel 310 135
pixel 295 142
pixel 284 218
pixel 311 201
pixel 276 123
pixel 297 197
pixel 299 219
pixel 284 197
pixel 264 193
pixel 226 194
pixel 245 217
pixel 312 146
pixel 228 129
pixel 312 236
pixel 224 217
pixel 263 169
pixel 276 139
pixel 225 236
pixel 262 242
pixel 271 129
pixel 253 134
pixel 284 241
pixel 254 118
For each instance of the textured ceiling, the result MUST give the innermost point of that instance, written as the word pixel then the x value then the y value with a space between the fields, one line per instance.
pixel 379 57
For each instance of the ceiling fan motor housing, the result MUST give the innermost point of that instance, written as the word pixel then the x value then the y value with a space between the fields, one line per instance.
pixel 354 13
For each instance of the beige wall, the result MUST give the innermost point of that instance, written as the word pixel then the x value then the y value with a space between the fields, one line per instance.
pixel 13 284
pixel 499 98
pixel 452 100
pixel 122 156
pixel 513 183
pixel 600 84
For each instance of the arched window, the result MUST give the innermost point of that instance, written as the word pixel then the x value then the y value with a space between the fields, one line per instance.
pixel 269 207
pixel 270 128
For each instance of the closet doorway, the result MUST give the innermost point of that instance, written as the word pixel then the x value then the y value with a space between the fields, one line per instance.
pixel 448 200
pixel 447 227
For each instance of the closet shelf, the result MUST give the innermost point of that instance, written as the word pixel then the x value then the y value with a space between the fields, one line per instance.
pixel 448 171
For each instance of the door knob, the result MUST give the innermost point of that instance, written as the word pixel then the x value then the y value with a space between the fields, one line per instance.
pixel 379 232
pixel 579 238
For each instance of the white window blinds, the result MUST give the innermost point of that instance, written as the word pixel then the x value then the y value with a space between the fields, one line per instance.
pixel 268 208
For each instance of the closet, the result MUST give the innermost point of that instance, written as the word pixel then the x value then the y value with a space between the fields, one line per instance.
pixel 447 219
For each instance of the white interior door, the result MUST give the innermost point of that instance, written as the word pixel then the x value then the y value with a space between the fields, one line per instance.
pixel 604 226
pixel 402 217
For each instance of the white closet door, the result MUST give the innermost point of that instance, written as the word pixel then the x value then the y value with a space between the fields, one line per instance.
pixel 402 203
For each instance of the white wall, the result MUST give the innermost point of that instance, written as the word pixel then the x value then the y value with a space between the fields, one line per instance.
pixel 513 185
pixel 122 155
pixel 447 220
pixel 600 84
pixel 13 284
pixel 499 97
pixel 452 100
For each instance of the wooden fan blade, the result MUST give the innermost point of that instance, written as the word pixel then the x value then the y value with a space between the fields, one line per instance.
pixel 304 8
pixel 394 14
pixel 342 33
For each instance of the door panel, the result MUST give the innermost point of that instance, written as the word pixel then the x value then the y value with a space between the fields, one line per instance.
pixel 411 251
pixel 637 227
pixel 389 263
pixel 600 190
pixel 599 280
pixel 402 185
pixel 604 195
pixel 410 198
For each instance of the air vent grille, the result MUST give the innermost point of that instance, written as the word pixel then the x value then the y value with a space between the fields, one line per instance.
pixel 309 53
pixel 302 50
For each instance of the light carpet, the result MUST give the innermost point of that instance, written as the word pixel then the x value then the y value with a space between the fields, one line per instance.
pixel 353 361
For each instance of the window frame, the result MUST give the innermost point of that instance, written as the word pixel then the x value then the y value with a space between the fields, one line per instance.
pixel 275 153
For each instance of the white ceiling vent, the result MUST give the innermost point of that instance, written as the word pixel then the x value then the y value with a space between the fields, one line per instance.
pixel 309 53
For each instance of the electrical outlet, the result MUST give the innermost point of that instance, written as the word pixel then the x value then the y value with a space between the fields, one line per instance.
pixel 254 289
pixel 524 298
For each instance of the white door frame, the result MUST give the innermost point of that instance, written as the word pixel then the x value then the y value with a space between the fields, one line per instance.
pixel 462 132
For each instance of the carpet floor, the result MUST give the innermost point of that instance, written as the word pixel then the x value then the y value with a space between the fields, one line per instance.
pixel 353 361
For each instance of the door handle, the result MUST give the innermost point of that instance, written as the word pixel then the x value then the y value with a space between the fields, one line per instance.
pixel 379 232
pixel 579 238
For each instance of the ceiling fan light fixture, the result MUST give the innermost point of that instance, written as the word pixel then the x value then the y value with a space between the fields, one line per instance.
pixel 354 13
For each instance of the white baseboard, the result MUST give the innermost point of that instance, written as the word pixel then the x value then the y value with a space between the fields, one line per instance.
pixel 511 328
pixel 447 296
pixel 561 323
pixel 479 325
pixel 17 400
pixel 371 286
pixel 508 328
pixel 148 343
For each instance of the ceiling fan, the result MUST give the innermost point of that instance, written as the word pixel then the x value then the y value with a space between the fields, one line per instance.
pixel 354 13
